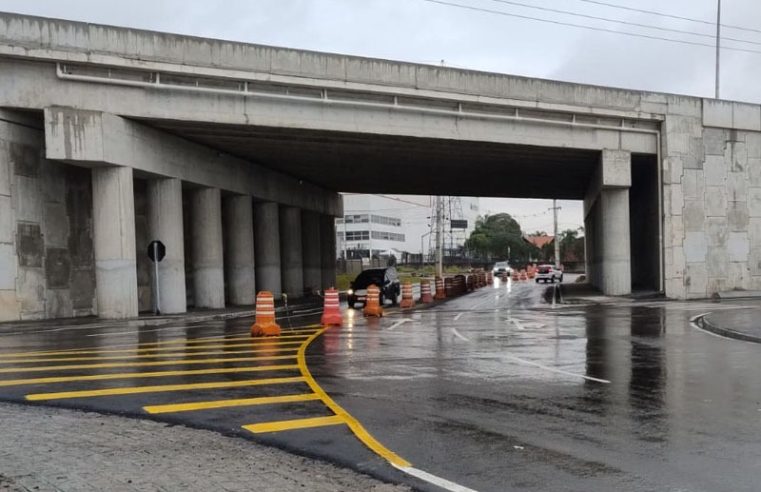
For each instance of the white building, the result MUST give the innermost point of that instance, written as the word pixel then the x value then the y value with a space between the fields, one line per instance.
pixel 382 224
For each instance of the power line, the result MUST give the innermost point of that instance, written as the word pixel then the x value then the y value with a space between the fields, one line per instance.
pixel 591 28
pixel 671 16
pixel 623 22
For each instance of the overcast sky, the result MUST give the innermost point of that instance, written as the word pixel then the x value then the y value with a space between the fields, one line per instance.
pixel 425 32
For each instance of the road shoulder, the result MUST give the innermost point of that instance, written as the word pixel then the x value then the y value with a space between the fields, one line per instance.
pixel 47 448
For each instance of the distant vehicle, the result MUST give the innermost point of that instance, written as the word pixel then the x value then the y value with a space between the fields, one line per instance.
pixel 501 267
pixel 386 279
pixel 548 273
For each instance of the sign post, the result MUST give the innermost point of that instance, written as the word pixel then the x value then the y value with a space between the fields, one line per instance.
pixel 156 252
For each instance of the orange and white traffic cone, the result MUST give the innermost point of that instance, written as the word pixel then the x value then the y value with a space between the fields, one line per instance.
pixel 441 293
pixel 425 291
pixel 372 305
pixel 331 313
pixel 407 300
pixel 265 325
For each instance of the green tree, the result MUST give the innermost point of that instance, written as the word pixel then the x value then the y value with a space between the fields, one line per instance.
pixel 497 237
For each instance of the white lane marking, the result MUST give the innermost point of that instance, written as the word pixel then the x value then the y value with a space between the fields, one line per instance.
pixel 400 322
pixel 517 324
pixel 553 369
pixel 433 479
pixel 459 335
pixel 459 315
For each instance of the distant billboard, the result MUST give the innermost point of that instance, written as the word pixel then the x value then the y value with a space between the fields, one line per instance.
pixel 458 224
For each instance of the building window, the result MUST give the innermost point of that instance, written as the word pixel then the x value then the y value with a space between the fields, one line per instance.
pixel 388 236
pixel 357 219
pixel 357 235
pixel 392 221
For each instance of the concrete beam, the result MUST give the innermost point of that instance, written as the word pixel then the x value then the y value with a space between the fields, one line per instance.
pixel 91 138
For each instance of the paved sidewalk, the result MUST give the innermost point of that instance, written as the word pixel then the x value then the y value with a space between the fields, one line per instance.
pixel 47 449
pixel 742 324
pixel 147 319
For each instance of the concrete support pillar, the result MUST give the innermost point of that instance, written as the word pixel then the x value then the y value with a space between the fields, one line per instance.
pixel 239 250
pixel 165 225
pixel 328 250
pixel 616 252
pixel 208 256
pixel 310 249
pixel 292 266
pixel 607 224
pixel 267 247
pixel 114 242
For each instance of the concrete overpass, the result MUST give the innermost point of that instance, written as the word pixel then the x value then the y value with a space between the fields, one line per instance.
pixel 233 154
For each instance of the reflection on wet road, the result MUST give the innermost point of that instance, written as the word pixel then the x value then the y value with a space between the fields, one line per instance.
pixel 495 390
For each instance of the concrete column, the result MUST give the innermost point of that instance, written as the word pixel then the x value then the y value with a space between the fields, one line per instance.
pixel 165 225
pixel 239 250
pixel 616 248
pixel 310 250
pixel 208 256
pixel 328 250
pixel 292 265
pixel 114 242
pixel 267 247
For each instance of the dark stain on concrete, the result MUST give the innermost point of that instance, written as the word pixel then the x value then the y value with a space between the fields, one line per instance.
pixel 30 245
pixel 25 159
pixel 57 268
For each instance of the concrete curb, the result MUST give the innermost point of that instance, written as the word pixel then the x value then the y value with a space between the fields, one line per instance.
pixel 704 323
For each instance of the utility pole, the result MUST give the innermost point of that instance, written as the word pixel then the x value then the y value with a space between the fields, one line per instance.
pixel 555 209
pixel 439 237
pixel 718 47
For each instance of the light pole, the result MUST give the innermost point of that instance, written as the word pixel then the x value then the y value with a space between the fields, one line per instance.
pixel 718 47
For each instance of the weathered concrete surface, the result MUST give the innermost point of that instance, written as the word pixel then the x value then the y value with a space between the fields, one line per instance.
pixel 267 248
pixel 327 251
pixel 208 253
pixel 311 245
pixel 239 249
pixel 165 225
pixel 88 138
pixel 114 242
pixel 291 260
pixel 46 251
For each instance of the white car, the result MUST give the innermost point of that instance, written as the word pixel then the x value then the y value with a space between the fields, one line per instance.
pixel 501 267
pixel 548 273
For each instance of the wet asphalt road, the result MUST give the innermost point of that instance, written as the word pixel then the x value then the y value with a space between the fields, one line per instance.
pixel 495 390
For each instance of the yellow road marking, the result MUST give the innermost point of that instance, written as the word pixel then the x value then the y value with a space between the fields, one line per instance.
pixel 208 405
pixel 283 425
pixel 177 362
pixel 251 343
pixel 160 389
pixel 137 375
pixel 353 424
pixel 157 355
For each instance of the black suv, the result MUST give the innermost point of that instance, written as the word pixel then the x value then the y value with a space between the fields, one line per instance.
pixel 386 279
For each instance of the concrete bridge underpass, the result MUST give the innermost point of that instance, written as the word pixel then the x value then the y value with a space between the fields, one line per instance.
pixel 233 154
